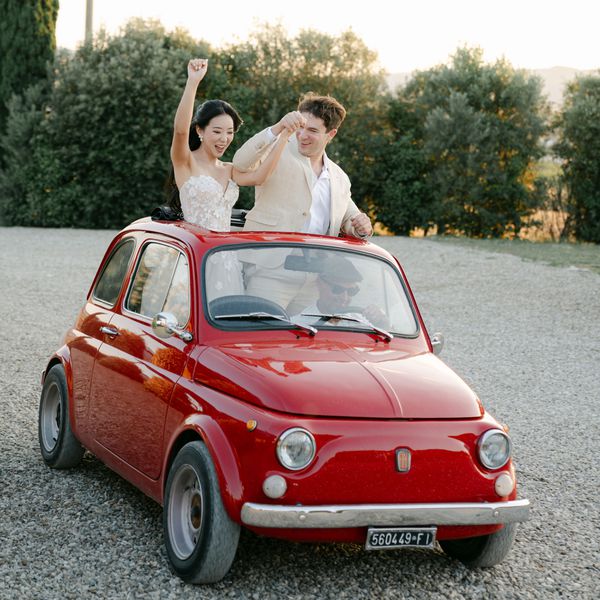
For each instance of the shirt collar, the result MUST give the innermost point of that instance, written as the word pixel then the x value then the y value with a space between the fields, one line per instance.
pixel 325 171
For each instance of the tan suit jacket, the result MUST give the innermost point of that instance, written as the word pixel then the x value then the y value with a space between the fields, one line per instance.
pixel 283 202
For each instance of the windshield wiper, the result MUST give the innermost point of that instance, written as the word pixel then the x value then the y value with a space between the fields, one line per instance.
pixel 386 335
pixel 259 316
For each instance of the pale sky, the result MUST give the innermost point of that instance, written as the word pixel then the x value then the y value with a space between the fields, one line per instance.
pixel 407 35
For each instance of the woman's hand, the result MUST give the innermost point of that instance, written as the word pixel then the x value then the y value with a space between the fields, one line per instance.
pixel 196 69
pixel 289 130
pixel 289 123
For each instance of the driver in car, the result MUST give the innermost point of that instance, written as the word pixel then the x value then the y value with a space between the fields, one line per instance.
pixel 337 285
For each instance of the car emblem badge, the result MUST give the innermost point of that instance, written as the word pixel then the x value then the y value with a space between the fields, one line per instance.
pixel 403 460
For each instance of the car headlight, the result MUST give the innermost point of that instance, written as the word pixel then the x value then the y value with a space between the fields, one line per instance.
pixel 494 449
pixel 295 448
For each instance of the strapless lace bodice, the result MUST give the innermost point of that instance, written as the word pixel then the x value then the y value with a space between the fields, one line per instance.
pixel 205 203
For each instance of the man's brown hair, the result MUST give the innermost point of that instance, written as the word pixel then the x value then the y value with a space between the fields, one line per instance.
pixel 323 107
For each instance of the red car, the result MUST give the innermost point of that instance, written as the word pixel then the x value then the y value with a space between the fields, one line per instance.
pixel 281 382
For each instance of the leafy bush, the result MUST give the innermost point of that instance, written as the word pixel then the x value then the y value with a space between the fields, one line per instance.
pixel 20 146
pixel 478 129
pixel 579 148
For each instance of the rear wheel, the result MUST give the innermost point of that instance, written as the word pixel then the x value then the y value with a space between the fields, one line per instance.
pixel 60 448
pixel 483 551
pixel 200 538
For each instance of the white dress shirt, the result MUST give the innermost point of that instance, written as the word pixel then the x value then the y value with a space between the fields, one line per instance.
pixel 320 209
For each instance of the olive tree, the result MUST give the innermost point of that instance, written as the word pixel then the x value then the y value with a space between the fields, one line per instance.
pixel 475 134
pixel 579 148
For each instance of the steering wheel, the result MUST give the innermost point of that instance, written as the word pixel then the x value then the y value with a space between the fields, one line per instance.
pixel 242 304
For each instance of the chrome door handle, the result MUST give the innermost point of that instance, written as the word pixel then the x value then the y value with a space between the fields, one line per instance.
pixel 109 331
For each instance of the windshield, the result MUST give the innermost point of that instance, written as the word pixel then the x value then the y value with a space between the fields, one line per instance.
pixel 278 287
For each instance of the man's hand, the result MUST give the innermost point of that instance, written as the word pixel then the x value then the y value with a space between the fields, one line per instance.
pixel 196 69
pixel 290 122
pixel 376 316
pixel 362 225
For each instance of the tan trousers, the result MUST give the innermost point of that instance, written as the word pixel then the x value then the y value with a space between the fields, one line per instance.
pixel 292 290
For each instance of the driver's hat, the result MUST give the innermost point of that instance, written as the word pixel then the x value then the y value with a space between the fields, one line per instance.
pixel 339 271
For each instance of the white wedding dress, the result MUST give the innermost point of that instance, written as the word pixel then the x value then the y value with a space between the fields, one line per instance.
pixel 204 202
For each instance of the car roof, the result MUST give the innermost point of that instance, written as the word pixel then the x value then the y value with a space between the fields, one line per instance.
pixel 202 239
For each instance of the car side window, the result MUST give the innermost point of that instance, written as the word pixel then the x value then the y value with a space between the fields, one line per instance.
pixel 109 285
pixel 178 296
pixel 160 283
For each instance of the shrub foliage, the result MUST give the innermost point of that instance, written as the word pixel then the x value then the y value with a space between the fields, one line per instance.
pixel 27 43
pixel 579 148
pixel 465 136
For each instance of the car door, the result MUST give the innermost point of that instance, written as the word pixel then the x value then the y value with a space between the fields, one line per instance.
pixel 86 337
pixel 135 371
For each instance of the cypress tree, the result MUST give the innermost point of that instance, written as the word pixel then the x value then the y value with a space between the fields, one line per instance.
pixel 27 44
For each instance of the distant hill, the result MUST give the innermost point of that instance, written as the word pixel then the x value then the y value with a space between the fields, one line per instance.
pixel 554 79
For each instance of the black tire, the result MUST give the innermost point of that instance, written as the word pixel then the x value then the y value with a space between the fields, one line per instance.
pixel 60 448
pixel 200 538
pixel 482 551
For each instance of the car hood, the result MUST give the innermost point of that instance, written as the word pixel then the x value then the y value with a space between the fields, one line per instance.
pixel 333 379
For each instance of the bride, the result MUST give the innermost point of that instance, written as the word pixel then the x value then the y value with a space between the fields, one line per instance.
pixel 208 187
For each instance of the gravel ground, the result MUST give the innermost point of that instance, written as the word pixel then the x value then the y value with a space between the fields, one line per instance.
pixel 526 336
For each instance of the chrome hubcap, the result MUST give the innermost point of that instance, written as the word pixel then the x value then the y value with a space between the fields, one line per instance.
pixel 51 417
pixel 186 512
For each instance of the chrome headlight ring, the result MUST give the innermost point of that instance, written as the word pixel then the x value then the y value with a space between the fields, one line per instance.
pixel 494 449
pixel 296 448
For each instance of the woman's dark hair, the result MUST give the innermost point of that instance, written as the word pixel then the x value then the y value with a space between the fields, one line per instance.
pixel 205 113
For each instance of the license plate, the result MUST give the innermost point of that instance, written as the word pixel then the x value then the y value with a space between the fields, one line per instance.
pixel 400 537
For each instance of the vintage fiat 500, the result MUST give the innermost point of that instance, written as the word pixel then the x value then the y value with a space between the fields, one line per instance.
pixel 281 382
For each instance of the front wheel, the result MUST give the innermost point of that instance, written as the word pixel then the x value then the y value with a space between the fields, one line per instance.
pixel 60 448
pixel 200 538
pixel 483 551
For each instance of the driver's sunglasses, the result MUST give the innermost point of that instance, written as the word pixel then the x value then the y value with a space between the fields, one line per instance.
pixel 338 290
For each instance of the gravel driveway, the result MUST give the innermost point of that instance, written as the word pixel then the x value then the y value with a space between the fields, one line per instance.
pixel 526 336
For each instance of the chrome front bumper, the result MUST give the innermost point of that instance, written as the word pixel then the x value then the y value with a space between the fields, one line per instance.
pixel 384 515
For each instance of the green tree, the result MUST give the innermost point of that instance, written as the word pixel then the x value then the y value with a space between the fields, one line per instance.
pixel 579 147
pixel 27 44
pixel 399 198
pixel 480 127
pixel 22 141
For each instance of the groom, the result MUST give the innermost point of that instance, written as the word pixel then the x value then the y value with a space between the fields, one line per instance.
pixel 306 192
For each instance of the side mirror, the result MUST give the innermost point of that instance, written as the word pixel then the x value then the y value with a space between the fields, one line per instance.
pixel 165 325
pixel 437 342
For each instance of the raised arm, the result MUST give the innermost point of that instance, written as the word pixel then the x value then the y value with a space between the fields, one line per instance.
pixel 180 149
